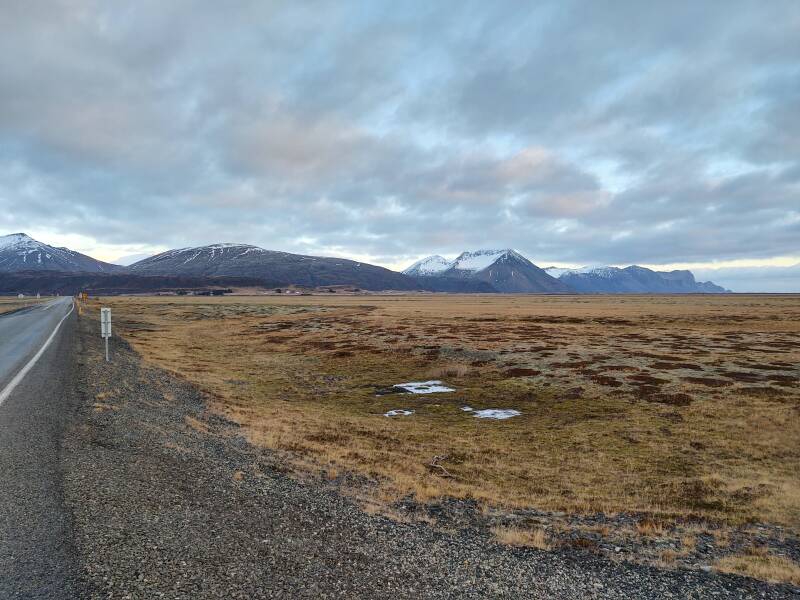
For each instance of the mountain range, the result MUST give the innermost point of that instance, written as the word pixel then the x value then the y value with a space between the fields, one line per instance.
pixel 632 280
pixel 235 265
pixel 507 271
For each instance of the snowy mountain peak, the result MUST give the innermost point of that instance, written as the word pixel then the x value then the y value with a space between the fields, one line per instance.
pixel 20 252
pixel 18 240
pixel 201 254
pixel 502 270
pixel 226 245
pixel 607 272
pixel 431 265
pixel 478 260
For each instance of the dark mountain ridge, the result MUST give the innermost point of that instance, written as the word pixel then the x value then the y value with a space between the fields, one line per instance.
pixel 634 280
pixel 278 268
pixel 20 252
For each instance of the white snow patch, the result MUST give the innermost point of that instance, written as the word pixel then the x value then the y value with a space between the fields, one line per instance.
pixel 19 241
pixel 224 245
pixel 481 259
pixel 467 408
pixel 424 387
pixel 496 413
pixel 558 271
pixel 605 272
pixel 398 412
pixel 429 266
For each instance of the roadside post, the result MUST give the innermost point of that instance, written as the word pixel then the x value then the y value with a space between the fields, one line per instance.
pixel 105 326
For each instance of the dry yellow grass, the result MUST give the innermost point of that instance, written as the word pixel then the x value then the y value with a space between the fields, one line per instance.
pixel 196 424
pixel 669 406
pixel 651 527
pixel 450 370
pixel 759 563
pixel 516 536
pixel 8 304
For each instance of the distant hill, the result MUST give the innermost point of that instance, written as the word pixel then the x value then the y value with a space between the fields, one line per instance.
pixel 504 270
pixel 68 284
pixel 277 268
pixel 20 252
pixel 633 280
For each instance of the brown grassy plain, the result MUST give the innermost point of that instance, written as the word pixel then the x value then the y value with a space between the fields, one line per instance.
pixel 9 303
pixel 672 406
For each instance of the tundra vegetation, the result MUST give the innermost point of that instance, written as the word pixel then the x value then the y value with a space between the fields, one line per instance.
pixel 674 409
pixel 9 303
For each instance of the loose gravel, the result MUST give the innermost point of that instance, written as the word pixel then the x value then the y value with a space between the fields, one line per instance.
pixel 169 501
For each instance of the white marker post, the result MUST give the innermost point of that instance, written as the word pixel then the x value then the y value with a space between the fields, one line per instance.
pixel 105 326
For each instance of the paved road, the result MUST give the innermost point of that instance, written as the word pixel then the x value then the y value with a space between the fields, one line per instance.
pixel 36 557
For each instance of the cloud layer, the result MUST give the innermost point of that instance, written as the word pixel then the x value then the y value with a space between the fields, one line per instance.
pixel 576 132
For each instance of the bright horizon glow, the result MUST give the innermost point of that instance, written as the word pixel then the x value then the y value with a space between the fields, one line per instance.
pixel 113 252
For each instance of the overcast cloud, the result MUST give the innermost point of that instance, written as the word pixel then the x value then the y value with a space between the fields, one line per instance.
pixel 576 132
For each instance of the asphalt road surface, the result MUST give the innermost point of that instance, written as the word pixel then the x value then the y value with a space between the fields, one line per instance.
pixel 36 560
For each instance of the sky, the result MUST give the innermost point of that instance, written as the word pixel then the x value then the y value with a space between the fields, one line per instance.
pixel 578 133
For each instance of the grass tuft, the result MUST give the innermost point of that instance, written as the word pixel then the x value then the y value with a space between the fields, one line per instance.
pixel 760 564
pixel 515 536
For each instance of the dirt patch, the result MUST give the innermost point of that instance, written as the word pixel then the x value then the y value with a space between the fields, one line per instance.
pixel 647 379
pixel 521 373
pixel 606 381
pixel 707 381
pixel 668 366
pixel 743 376
pixel 677 399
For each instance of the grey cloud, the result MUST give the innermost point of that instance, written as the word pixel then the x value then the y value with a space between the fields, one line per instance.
pixel 583 132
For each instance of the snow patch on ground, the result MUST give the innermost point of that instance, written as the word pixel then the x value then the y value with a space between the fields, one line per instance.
pixel 492 413
pixel 424 387
pixel 398 412
pixel 496 413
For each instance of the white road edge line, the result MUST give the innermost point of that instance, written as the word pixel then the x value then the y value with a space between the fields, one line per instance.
pixel 24 371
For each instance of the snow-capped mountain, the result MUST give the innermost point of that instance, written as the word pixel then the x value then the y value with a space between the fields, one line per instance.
pixel 479 260
pixel 271 267
pixel 432 265
pixel 605 272
pixel 504 270
pixel 632 280
pixel 20 252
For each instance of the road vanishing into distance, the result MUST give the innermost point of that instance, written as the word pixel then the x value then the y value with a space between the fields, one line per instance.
pixel 36 560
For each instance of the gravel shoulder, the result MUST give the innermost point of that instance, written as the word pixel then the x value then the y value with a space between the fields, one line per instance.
pixel 169 501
